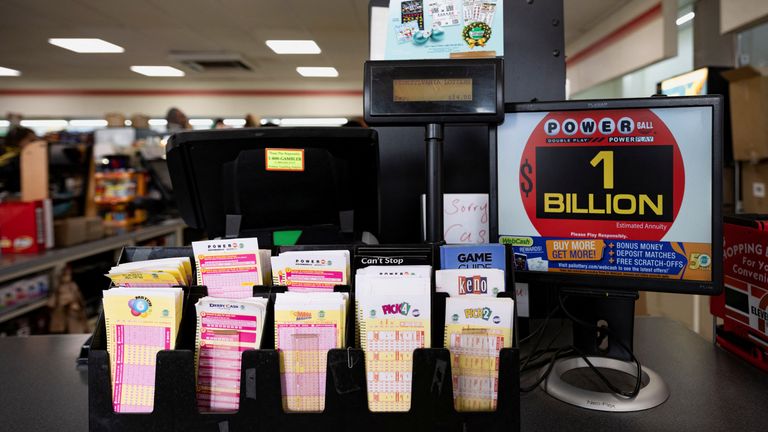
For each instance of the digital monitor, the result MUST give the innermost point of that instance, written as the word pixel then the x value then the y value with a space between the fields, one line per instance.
pixel 613 193
pixel 693 83
pixel 699 82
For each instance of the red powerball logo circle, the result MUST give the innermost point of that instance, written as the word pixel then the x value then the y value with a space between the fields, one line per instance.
pixel 618 174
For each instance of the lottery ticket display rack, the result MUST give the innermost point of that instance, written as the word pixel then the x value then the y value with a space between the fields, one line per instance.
pixel 261 408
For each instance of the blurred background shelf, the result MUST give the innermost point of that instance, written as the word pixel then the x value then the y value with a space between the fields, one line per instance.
pixel 24 309
pixel 13 266
pixel 30 280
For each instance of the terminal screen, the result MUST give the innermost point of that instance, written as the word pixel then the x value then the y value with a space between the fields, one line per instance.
pixel 432 90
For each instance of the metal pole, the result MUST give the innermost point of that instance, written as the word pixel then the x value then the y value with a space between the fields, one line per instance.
pixel 434 207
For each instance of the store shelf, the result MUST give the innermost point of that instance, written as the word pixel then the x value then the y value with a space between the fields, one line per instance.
pixel 21 310
pixel 16 265
pixel 113 201
pixel 121 175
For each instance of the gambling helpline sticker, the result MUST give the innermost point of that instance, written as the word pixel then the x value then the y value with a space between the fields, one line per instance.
pixel 284 159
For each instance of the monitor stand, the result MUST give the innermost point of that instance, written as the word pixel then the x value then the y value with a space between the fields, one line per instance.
pixel 571 380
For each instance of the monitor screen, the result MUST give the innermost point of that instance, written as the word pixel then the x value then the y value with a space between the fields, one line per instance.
pixel 693 83
pixel 613 193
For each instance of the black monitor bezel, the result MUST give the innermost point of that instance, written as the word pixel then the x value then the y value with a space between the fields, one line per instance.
pixel 712 287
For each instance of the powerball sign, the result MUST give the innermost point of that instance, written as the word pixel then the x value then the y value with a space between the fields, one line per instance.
pixel 623 192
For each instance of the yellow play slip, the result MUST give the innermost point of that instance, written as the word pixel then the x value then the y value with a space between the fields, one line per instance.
pixel 139 323
pixel 476 329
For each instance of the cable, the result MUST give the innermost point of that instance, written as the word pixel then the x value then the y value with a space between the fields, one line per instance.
pixel 541 327
pixel 557 355
pixel 536 353
pixel 538 364
pixel 568 351
pixel 613 388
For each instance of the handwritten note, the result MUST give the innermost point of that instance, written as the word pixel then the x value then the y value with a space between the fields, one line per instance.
pixel 465 218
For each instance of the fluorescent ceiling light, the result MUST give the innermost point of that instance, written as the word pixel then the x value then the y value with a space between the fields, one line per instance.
pixel 294 46
pixel 158 122
pixel 326 72
pixel 88 123
pixel 685 18
pixel 201 122
pixel 83 45
pixel 232 122
pixel 158 71
pixel 313 121
pixel 4 71
pixel 44 123
pixel 4 123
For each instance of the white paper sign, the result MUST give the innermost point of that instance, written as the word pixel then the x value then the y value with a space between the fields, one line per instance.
pixel 465 218
pixel 521 295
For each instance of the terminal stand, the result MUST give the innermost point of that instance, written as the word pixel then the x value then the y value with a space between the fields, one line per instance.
pixel 434 140
pixel 603 331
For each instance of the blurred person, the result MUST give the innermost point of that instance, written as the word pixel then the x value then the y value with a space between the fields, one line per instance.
pixel 10 157
pixel 356 122
pixel 252 121
pixel 219 124
pixel 177 120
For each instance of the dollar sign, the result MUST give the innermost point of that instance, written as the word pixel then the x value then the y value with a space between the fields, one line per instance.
pixel 527 184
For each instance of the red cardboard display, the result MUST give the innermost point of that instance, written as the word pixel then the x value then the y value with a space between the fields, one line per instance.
pixel 22 227
pixel 743 305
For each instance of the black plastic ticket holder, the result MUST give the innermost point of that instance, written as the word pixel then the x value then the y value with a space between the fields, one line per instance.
pixel 260 408
pixel 432 93
pixel 101 415
pixel 507 414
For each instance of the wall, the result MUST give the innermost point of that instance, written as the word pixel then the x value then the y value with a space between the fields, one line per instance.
pixel 753 46
pixel 93 99
pixel 642 83
pixel 640 33
pixel 737 15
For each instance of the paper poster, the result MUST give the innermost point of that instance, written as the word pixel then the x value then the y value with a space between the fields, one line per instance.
pixel 436 29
